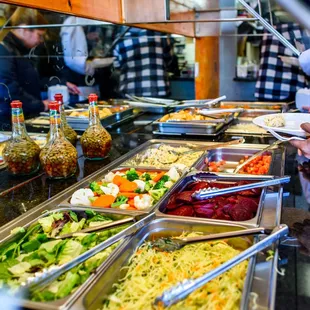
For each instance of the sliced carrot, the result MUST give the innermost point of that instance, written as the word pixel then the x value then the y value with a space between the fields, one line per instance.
pixel 159 176
pixel 128 186
pixel 118 180
pixel 128 195
pixel 99 183
pixel 131 208
pixel 104 201
pixel 131 202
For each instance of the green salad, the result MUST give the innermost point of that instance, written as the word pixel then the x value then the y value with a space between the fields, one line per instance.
pixel 34 249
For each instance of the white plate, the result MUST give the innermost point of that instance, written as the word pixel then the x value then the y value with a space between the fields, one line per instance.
pixel 292 123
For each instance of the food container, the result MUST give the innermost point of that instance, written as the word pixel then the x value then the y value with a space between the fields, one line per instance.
pixel 192 177
pixel 164 227
pixel 156 155
pixel 121 211
pixel 65 302
pixel 232 157
pixel 250 114
pixel 208 125
pixel 246 128
pixel 283 106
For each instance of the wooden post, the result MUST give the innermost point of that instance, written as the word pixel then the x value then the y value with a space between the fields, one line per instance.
pixel 207 81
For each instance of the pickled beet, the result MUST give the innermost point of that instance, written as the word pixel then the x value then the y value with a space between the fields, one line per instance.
pixel 182 211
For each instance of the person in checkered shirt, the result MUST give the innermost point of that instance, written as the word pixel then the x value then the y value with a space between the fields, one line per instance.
pixel 142 57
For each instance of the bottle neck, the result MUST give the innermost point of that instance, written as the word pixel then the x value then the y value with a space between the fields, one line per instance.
pixel 62 114
pixel 93 114
pixel 18 125
pixel 55 125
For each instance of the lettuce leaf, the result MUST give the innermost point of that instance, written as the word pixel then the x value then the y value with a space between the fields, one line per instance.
pixel 70 250
pixel 47 222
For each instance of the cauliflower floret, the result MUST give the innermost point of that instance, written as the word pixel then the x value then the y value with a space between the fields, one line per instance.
pixel 81 197
pixel 109 177
pixel 124 206
pixel 168 184
pixel 110 189
pixel 143 203
pixel 141 184
pixel 173 174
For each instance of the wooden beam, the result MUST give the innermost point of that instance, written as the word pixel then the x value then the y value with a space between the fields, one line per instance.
pixel 207 81
pixel 104 10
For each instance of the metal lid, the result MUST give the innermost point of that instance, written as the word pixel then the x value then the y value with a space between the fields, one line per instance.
pixel 93 97
pixel 54 105
pixel 58 97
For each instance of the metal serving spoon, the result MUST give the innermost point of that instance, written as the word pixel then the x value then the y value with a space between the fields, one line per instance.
pixel 174 244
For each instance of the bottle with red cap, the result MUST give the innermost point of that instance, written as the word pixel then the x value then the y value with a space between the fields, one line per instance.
pixel 69 133
pixel 96 141
pixel 58 157
pixel 21 153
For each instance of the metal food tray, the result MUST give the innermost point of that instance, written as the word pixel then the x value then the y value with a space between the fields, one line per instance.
pixel 283 106
pixel 192 127
pixel 195 103
pixel 257 272
pixel 254 222
pixel 66 202
pixel 63 303
pixel 81 123
pixel 150 107
pixel 232 156
pixel 238 131
pixel 250 114
pixel 156 146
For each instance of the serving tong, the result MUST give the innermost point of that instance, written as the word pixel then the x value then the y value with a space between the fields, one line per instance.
pixel 207 193
pixel 174 244
pixel 42 279
pixel 186 287
pixel 96 228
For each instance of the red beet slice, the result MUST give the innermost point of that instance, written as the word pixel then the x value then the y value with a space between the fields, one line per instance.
pixel 227 208
pixel 241 213
pixel 172 203
pixel 184 197
pixel 248 202
pixel 204 212
pixel 182 211
pixel 210 205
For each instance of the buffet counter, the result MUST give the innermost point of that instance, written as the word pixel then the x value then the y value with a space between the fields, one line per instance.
pixel 20 195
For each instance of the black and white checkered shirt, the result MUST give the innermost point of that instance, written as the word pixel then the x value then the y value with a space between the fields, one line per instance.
pixel 278 81
pixel 142 57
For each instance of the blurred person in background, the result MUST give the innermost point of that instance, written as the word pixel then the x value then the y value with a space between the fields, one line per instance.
pixel 80 45
pixel 19 79
pixel 142 58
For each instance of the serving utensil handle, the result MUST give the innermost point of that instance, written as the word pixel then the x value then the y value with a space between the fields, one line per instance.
pixel 205 194
pixel 230 234
pixel 183 289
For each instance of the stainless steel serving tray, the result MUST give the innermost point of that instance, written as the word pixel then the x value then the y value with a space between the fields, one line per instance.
pixel 192 127
pixel 112 272
pixel 284 106
pixel 63 303
pixel 250 114
pixel 67 203
pixel 81 123
pixel 150 107
pixel 259 132
pixel 232 156
pixel 254 222
pixel 139 156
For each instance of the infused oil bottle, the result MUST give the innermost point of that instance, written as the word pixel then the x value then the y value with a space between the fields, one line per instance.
pixel 58 157
pixel 96 141
pixel 20 153
pixel 69 133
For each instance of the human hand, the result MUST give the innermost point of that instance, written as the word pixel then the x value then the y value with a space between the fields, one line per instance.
pixel 73 89
pixel 303 146
pixel 46 103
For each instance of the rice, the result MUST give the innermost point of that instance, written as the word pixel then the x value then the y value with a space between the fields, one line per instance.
pixel 274 120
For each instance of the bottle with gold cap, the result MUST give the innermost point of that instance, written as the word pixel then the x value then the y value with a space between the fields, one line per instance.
pixel 20 153
pixel 69 133
pixel 96 141
pixel 58 157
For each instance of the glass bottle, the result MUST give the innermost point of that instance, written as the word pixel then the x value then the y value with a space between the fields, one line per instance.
pixel 69 133
pixel 20 153
pixel 96 141
pixel 58 157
